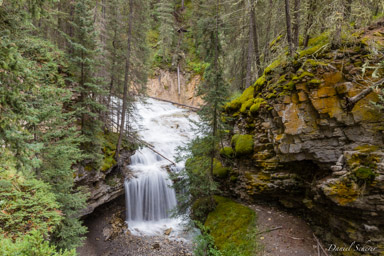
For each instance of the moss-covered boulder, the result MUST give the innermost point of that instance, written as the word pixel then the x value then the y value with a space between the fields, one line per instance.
pixel 233 226
pixel 227 152
pixel 243 144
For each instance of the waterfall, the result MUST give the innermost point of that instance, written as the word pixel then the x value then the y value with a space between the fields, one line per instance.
pixel 149 196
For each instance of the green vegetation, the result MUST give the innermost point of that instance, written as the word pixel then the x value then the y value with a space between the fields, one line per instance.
pixel 219 170
pixel 243 144
pixel 227 152
pixel 233 227
pixel 364 173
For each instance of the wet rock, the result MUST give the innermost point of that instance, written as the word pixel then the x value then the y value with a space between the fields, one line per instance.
pixel 156 246
pixel 168 231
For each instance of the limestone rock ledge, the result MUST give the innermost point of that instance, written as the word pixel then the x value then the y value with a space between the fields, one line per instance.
pixel 311 153
pixel 103 186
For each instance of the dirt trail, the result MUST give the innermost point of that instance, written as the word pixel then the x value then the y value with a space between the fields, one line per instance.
pixel 293 236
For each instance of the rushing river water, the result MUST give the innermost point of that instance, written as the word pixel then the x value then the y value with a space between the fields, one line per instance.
pixel 149 196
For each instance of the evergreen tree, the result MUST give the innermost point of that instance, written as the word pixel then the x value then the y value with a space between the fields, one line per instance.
pixel 164 13
pixel 202 155
pixel 135 73
pixel 82 52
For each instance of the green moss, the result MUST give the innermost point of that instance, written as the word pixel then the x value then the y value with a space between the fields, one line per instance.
pixel 260 82
pixel 272 66
pixel 234 139
pixel 227 152
pixel 367 148
pixel 243 144
pixel 258 102
pixel 319 40
pixel 310 51
pixel 235 104
pixel 109 149
pixel 282 79
pixel 247 94
pixel 201 207
pixel 314 63
pixel 271 95
pixel 108 162
pixel 303 75
pixel 315 82
pixel 290 86
pixel 276 40
pixel 219 170
pixel 233 227
pixel 364 173
pixel 246 105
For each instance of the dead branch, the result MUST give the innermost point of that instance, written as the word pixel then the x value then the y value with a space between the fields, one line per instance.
pixel 351 102
pixel 319 244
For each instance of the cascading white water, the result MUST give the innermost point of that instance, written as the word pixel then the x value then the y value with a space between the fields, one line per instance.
pixel 149 196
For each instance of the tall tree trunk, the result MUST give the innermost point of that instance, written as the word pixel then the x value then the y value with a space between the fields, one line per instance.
pixel 296 26
pixel 309 22
pixel 126 80
pixel 178 78
pixel 339 13
pixel 348 9
pixel 289 29
pixel 268 34
pixel 216 67
pixel 249 58
pixel 255 39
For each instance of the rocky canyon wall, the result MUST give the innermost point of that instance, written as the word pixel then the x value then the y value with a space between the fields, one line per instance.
pixel 297 141
pixel 164 85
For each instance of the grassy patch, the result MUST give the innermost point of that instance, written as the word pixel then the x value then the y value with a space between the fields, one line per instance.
pixel 233 227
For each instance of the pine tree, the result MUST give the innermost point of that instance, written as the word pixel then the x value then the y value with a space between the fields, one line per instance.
pixel 202 155
pixel 135 73
pixel 164 13
pixel 82 52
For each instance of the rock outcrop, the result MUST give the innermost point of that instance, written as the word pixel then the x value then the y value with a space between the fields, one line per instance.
pixel 106 183
pixel 311 151
pixel 164 85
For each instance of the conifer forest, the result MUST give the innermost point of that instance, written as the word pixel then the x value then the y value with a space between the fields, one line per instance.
pixel 191 127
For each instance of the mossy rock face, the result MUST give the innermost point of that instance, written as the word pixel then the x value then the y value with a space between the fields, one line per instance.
pixel 365 173
pixel 227 152
pixel 219 170
pixel 258 102
pixel 272 66
pixel 233 106
pixel 246 105
pixel 243 144
pixel 232 226
pixel 239 102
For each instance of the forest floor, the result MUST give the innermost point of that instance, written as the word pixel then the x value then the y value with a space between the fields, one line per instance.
pixel 283 234
pixel 108 235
